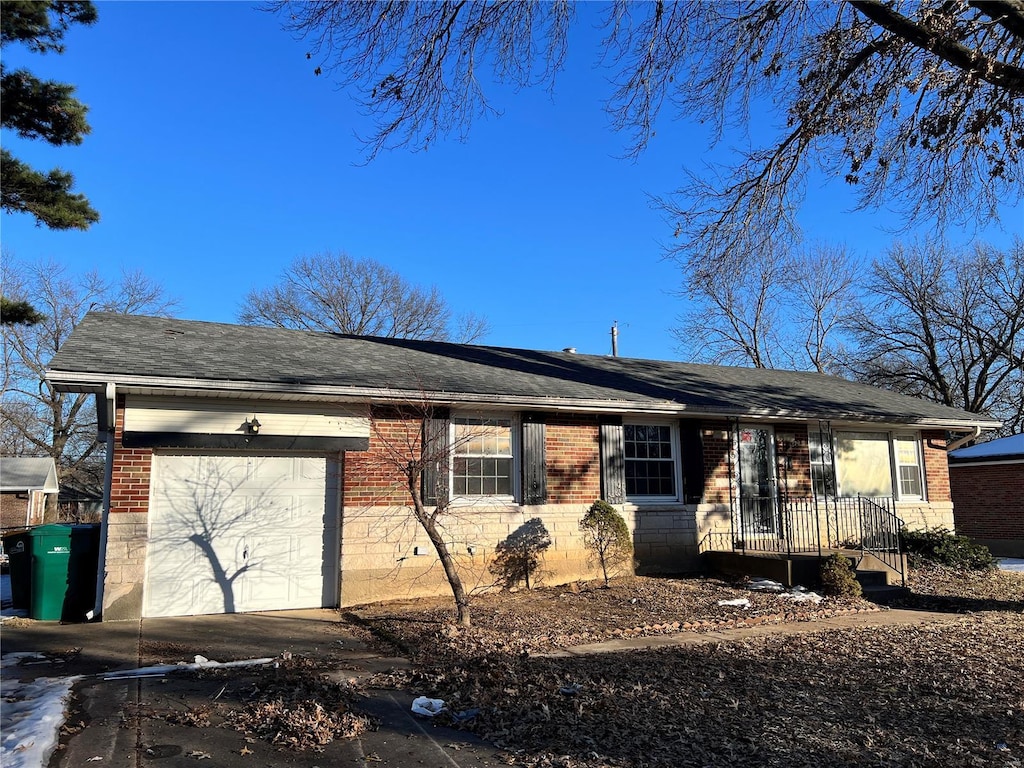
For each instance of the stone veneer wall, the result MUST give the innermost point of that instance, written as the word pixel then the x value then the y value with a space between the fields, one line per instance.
pixel 127 528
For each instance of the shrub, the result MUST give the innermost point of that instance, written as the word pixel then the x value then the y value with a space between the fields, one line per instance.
pixel 941 547
pixel 838 578
pixel 517 558
pixel 607 537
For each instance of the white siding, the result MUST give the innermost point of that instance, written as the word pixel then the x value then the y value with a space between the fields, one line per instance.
pixel 226 417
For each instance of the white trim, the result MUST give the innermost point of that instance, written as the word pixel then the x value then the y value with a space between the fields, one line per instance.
pixel 677 462
pixel 964 463
pixel 516 454
pixel 90 382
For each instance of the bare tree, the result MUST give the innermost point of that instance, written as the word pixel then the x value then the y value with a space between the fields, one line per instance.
pixel 918 104
pixel 946 326
pixel 38 420
pixel 781 310
pixel 413 444
pixel 337 293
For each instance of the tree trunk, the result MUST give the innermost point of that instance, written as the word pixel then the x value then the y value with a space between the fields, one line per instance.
pixel 441 547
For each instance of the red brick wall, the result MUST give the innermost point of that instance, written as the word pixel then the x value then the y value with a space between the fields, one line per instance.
pixel 573 461
pixel 988 500
pixel 13 510
pixel 716 462
pixel 936 466
pixel 129 485
pixel 373 477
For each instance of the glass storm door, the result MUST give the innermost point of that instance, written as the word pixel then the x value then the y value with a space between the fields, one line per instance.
pixel 756 474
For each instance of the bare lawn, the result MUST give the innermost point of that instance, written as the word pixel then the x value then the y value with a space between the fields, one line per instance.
pixel 943 694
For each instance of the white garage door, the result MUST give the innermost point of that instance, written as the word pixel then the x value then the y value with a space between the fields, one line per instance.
pixel 236 533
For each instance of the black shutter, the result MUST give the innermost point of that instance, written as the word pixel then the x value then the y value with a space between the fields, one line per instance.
pixel 692 448
pixel 436 457
pixel 613 466
pixel 534 460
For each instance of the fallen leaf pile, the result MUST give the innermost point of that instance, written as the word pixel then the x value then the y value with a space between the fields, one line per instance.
pixel 538 620
pixel 935 695
pixel 942 694
pixel 294 705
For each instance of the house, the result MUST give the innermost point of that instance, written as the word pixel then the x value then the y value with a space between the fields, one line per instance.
pixel 986 483
pixel 27 485
pixel 260 468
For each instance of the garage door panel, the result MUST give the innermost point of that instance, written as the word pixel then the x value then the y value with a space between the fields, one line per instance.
pixel 240 533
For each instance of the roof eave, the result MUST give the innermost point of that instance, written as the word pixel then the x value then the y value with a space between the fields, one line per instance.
pixel 68 381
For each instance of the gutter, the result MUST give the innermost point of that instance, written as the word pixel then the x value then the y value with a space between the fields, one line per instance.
pixel 961 441
pixel 65 381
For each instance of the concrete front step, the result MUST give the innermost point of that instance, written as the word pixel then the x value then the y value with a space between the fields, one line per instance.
pixel 886 594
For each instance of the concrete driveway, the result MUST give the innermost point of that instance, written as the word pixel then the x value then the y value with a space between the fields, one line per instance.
pixel 119 720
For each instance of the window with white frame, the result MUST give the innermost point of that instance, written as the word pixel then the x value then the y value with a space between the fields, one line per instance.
pixel 482 458
pixel 651 460
pixel 908 466
pixel 868 463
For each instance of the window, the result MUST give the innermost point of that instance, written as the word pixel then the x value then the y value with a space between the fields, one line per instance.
pixel 869 463
pixel 823 476
pixel 482 461
pixel 650 460
pixel 862 463
pixel 908 466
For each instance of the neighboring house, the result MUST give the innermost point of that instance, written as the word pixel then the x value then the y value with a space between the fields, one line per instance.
pixel 986 482
pixel 27 485
pixel 256 468
pixel 79 504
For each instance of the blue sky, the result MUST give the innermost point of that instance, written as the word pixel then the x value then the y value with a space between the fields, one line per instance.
pixel 216 157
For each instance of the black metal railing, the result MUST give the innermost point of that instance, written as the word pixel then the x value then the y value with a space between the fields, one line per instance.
pixel 870 525
pixel 765 524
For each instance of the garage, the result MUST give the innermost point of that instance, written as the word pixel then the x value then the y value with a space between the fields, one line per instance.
pixel 234 532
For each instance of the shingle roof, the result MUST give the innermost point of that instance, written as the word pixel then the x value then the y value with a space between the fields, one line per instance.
pixel 112 347
pixel 26 473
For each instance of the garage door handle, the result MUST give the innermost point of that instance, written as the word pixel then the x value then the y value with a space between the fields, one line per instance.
pixel 245 553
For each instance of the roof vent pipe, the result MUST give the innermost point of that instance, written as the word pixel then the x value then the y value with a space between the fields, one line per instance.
pixel 570 350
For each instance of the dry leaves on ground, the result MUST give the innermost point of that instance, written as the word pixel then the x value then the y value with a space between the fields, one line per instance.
pixel 538 620
pixel 936 695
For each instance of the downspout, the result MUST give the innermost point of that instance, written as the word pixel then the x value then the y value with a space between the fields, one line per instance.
pixel 106 412
pixel 975 434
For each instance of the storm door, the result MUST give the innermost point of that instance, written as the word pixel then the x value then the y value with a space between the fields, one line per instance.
pixel 755 464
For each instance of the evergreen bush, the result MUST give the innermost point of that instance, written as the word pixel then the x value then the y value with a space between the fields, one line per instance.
pixel 838 578
pixel 607 537
pixel 942 547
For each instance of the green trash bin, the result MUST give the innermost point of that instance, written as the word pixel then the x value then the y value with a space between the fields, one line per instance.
pixel 64 561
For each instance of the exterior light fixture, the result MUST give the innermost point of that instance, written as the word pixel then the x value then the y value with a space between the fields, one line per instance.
pixel 252 427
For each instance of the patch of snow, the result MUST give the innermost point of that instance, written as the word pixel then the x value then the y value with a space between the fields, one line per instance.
pixel 760 584
pixel 800 594
pixel 739 602
pixel 797 594
pixel 32 714
pixel 1015 564
pixel 164 669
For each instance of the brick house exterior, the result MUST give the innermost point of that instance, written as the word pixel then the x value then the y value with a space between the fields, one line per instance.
pixel 987 488
pixel 253 468
pixel 27 485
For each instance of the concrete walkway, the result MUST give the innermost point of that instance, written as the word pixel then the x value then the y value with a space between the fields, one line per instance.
pixel 124 723
pixel 882 618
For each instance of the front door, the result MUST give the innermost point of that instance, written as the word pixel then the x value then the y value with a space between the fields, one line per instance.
pixel 758 513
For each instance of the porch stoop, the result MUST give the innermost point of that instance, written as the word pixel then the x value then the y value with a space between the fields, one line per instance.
pixel 880 582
